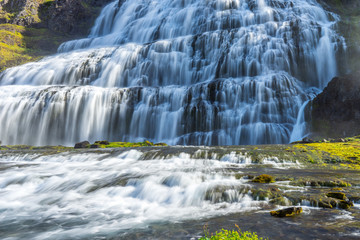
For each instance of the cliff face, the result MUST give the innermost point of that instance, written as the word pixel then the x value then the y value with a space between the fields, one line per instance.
pixel 336 111
pixel 30 29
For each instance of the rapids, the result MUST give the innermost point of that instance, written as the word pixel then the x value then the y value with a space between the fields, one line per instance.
pixel 157 193
pixel 188 72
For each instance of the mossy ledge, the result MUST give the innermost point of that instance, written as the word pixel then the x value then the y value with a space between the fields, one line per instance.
pixel 97 144
pixel 344 154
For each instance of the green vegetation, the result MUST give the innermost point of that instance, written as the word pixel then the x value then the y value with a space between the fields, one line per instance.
pixel 106 144
pixel 264 178
pixel 35 38
pixel 12 46
pixel 230 235
pixel 343 154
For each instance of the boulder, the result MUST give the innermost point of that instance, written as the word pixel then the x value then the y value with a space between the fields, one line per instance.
pixel 337 195
pixel 345 204
pixel 84 144
pixel 287 212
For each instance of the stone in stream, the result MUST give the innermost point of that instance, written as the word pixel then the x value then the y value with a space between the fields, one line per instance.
pixel 84 144
pixel 287 212
pixel 337 195
pixel 345 204
pixel 326 204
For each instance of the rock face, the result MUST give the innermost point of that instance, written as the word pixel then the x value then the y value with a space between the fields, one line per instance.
pixel 72 16
pixel 19 12
pixel 31 29
pixel 336 111
pixel 65 16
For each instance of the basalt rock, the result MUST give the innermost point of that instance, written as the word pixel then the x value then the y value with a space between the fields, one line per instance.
pixel 84 144
pixel 336 111
pixel 72 16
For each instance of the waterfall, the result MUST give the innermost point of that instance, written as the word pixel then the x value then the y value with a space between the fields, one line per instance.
pixel 209 72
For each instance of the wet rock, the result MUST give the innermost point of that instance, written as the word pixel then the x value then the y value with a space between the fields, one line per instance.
pixel 355 199
pixel 280 201
pixel 345 204
pixel 84 144
pixel 102 142
pixel 94 146
pixel 337 195
pixel 287 212
pixel 264 178
pixel 160 144
pixel 72 16
pixel 307 140
pixel 325 204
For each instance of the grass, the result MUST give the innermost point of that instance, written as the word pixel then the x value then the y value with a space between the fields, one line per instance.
pixel 230 235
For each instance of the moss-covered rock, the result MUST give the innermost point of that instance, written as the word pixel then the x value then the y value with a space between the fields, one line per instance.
pixel 287 212
pixel 345 204
pixel 337 195
pixel 264 178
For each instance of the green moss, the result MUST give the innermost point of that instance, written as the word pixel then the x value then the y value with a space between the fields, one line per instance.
pixel 342 154
pixel 106 144
pixel 264 178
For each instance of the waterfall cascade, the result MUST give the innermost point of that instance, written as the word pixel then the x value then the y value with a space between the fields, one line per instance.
pixel 213 72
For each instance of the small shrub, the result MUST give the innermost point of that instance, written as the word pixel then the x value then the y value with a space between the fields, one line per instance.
pixel 230 235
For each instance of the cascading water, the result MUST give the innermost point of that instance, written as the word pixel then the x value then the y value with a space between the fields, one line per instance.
pixel 212 72
pixel 105 194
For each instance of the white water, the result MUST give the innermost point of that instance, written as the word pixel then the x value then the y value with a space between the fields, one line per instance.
pixel 202 72
pixel 82 196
